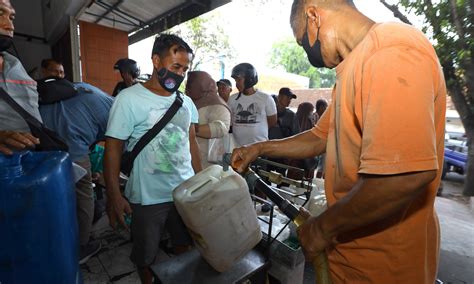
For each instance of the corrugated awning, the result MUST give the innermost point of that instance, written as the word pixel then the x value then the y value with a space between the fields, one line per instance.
pixel 144 18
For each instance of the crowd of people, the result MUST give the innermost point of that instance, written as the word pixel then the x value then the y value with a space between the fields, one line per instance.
pixel 380 219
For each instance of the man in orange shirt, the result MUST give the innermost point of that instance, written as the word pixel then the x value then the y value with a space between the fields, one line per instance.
pixel 383 137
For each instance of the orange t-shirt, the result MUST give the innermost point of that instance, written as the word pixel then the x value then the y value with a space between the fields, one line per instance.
pixel 387 117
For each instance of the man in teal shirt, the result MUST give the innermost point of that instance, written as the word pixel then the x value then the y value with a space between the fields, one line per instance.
pixel 168 160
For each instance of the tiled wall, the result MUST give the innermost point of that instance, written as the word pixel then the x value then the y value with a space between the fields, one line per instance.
pixel 101 47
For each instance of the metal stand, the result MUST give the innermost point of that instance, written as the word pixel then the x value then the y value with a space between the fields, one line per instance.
pixel 191 268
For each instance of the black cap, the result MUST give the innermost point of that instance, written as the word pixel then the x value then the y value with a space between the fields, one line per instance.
pixel 287 92
pixel 225 82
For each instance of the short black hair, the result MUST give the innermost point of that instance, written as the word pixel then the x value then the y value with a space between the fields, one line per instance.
pixel 165 41
pixel 297 8
pixel 48 61
pixel 321 103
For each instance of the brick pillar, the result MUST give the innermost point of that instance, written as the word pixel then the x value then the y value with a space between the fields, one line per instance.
pixel 101 47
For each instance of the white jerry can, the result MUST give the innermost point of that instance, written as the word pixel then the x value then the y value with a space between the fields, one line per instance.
pixel 318 202
pixel 217 209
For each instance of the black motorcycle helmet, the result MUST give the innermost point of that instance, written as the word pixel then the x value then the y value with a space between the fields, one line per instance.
pixel 247 71
pixel 129 66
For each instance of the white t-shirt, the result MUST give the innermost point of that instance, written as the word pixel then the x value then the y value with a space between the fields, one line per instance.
pixel 249 117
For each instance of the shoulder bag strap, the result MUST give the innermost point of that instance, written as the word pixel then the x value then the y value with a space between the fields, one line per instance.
pixel 147 137
pixel 19 109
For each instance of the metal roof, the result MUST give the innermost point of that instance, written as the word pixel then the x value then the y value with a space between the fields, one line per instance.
pixel 144 18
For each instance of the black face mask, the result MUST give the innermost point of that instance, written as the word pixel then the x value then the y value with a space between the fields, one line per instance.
pixel 170 81
pixel 5 42
pixel 314 54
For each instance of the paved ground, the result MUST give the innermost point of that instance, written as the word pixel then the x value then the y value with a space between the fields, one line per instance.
pixel 456 217
pixel 111 264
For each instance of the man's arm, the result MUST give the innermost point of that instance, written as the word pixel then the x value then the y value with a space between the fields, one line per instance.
pixel 13 140
pixel 373 198
pixel 214 129
pixel 194 148
pixel 303 145
pixel 218 126
pixel 272 120
pixel 117 206
pixel 202 130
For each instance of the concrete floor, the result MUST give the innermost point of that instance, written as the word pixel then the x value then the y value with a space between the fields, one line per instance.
pixel 111 264
pixel 456 217
pixel 455 212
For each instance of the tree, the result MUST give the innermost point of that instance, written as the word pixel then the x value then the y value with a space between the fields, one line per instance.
pixel 450 24
pixel 207 39
pixel 289 55
pixel 327 77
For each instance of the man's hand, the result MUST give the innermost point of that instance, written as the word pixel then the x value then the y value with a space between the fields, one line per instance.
pixel 301 146
pixel 117 206
pixel 116 209
pixel 311 236
pixel 243 156
pixel 16 140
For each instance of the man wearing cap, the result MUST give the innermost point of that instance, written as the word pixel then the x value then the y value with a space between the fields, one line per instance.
pixel 287 124
pixel 224 88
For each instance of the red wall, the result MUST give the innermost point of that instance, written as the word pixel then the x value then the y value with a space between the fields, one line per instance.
pixel 101 47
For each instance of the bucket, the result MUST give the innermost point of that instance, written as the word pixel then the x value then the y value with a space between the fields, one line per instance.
pixel 216 207
pixel 38 225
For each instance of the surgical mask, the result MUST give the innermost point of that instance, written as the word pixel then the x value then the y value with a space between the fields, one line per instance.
pixel 170 81
pixel 314 54
pixel 5 42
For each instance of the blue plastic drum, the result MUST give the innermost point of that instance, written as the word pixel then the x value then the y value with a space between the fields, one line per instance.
pixel 38 225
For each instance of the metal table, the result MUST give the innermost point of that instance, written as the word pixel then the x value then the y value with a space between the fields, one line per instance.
pixel 191 268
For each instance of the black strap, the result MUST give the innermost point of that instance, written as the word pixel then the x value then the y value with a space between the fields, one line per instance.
pixel 147 137
pixel 19 109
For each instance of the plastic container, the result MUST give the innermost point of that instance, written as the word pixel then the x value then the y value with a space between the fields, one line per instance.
pixel 317 203
pixel 38 225
pixel 216 207
pixel 287 263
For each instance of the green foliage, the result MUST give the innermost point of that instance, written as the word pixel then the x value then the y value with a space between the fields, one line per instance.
pixel 449 23
pixel 289 55
pixel 207 39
